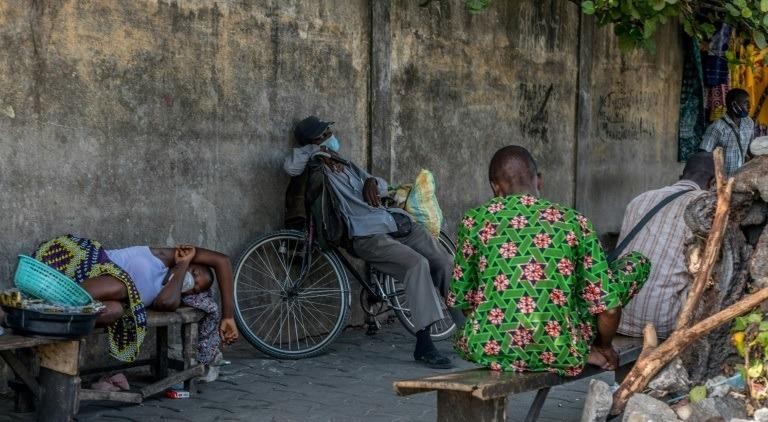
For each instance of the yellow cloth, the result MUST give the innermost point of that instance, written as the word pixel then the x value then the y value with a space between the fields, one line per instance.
pixel 751 75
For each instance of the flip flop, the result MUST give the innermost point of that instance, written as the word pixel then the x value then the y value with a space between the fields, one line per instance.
pixel 433 359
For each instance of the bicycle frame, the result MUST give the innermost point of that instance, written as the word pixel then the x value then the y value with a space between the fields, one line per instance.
pixel 375 289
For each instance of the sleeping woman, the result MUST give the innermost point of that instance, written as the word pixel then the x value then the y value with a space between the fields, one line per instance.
pixel 129 280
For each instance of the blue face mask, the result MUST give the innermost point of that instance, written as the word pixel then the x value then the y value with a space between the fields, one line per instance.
pixel 739 111
pixel 332 144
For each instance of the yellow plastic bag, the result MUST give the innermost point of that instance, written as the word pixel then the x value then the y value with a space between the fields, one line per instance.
pixel 421 202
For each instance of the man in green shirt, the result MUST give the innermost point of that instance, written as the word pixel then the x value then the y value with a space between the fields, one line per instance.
pixel 534 281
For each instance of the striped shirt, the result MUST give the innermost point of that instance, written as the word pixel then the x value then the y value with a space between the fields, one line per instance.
pixel 722 133
pixel 661 240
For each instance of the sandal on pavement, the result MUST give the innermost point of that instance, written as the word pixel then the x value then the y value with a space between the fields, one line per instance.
pixel 433 359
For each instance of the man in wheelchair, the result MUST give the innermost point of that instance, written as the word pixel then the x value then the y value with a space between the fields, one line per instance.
pixel 346 205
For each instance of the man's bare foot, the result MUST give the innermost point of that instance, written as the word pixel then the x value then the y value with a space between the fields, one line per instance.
pixel 602 358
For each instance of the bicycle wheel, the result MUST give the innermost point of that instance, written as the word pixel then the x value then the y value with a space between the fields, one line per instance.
pixel 279 318
pixel 395 290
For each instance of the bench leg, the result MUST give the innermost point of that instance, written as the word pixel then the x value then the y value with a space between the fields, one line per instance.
pixel 189 354
pixel 538 403
pixel 58 396
pixel 160 367
pixel 457 406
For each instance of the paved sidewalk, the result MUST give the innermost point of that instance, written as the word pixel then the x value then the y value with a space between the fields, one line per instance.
pixel 352 382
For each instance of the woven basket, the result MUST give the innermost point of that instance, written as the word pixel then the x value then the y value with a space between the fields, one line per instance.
pixel 39 280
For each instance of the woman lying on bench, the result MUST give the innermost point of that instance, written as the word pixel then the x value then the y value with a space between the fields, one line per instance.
pixel 128 280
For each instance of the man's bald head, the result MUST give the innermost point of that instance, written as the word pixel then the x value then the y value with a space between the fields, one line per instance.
pixel 513 170
pixel 700 168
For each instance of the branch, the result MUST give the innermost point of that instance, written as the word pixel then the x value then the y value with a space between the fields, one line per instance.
pixel 648 365
pixel 713 245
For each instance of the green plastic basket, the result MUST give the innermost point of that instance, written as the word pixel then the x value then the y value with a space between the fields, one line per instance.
pixel 39 280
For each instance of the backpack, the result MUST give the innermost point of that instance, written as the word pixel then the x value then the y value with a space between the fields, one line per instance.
pixel 322 205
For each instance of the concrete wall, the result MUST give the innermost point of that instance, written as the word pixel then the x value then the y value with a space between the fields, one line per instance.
pixel 465 85
pixel 149 122
pixel 627 125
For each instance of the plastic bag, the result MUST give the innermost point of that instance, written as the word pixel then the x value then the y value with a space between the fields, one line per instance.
pixel 421 203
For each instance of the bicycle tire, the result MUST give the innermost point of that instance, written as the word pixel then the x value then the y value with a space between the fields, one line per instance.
pixel 395 290
pixel 314 315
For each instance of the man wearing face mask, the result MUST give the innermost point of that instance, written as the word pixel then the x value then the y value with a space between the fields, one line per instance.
pixel 733 132
pixel 386 238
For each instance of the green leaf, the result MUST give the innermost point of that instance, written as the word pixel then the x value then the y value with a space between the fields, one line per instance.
pixel 658 5
pixel 626 43
pixel 649 27
pixel 755 370
pixel 759 38
pixel 746 12
pixel 732 10
pixel 740 3
pixel 739 324
pixel 697 393
pixel 764 6
pixel 588 7
pixel 672 1
pixel 754 318
pixel 762 339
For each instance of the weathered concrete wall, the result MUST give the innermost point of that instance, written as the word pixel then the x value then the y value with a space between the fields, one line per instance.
pixel 627 125
pixel 465 85
pixel 150 122
pixel 601 124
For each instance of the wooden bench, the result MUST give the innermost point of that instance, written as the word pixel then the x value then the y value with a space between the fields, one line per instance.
pixel 481 395
pixel 57 388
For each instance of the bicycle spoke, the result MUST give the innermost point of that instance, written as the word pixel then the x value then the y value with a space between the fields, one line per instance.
pixel 282 262
pixel 318 292
pixel 260 272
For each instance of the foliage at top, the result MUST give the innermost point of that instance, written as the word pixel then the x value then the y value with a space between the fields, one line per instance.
pixel 635 21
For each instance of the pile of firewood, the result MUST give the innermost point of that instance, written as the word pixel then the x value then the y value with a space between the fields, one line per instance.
pixel 727 258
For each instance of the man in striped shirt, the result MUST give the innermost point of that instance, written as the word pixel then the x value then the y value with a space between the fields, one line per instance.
pixel 733 132
pixel 661 240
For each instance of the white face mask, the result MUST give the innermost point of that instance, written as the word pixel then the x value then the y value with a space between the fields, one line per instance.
pixel 188 283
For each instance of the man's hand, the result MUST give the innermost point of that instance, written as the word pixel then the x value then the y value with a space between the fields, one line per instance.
pixel 371 192
pixel 327 157
pixel 184 254
pixel 228 331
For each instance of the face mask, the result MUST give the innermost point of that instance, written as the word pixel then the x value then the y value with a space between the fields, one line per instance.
pixel 188 283
pixel 332 143
pixel 740 112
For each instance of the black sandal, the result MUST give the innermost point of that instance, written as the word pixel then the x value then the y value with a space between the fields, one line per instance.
pixel 433 359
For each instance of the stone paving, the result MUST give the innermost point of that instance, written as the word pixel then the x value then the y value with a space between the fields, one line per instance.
pixel 352 382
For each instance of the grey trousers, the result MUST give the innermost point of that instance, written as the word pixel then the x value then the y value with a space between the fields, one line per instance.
pixel 419 262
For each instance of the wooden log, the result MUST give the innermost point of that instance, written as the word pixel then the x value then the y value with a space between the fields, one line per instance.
pixel 121 396
pixel 63 357
pixel 58 396
pixel 648 365
pixel 21 371
pixel 458 406
pixel 160 367
pixel 189 354
pixel 174 379
pixel 713 245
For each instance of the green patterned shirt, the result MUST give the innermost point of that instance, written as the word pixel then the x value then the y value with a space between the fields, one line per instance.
pixel 534 276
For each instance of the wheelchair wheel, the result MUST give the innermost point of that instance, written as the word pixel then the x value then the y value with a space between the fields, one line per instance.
pixel 279 318
pixel 395 290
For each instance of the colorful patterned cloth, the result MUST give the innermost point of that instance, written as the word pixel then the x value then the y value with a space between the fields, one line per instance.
pixel 81 259
pixel 692 118
pixel 208 339
pixel 535 277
